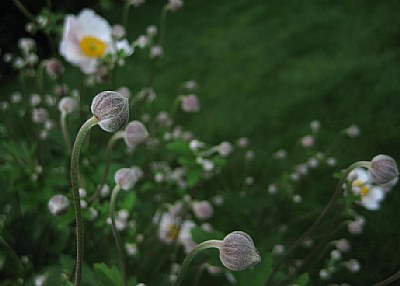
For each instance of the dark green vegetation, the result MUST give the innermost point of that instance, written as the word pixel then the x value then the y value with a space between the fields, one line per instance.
pixel 265 70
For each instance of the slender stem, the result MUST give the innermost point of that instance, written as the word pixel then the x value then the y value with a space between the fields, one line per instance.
pixel 64 127
pixel 24 11
pixel 389 280
pixel 113 139
pixel 331 203
pixel 13 255
pixel 199 272
pixel 163 24
pixel 192 254
pixel 80 137
pixel 125 14
pixel 118 240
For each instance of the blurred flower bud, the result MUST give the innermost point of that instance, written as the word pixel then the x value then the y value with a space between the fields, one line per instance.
pixel 202 210
pixel 58 204
pixel 315 125
pixel 67 105
pixel 383 169
pixel 142 41
pixel 53 67
pixel 190 103
pixel 35 99
pixel 16 97
pixel 225 148
pixel 26 44
pixel 61 89
pixel 175 5
pixel 136 3
pixel 118 32
pixel 307 141
pixel 124 91
pixel 39 115
pixel 151 30
pixel 156 52
pixel 190 84
pixel 111 109
pixel 342 245
pixel 238 251
pixel 125 178
pixel 135 133
pixel 352 131
pixel 353 265
pixel 104 191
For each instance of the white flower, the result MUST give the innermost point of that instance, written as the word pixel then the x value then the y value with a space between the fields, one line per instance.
pixel 123 45
pixel 86 38
pixel 370 195
pixel 169 228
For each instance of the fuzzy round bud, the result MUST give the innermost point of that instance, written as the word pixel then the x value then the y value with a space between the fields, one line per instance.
pixel 202 210
pixel 39 115
pixel 67 105
pixel 58 204
pixel 156 52
pixel 238 252
pixel 135 133
pixel 190 103
pixel 125 178
pixel 307 141
pixel 118 32
pixel 175 5
pixel 383 169
pixel 111 109
pixel 225 148
pixel 53 67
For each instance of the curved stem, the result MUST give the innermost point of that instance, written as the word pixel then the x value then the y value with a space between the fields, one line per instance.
pixel 118 240
pixel 192 254
pixel 331 203
pixel 63 122
pixel 125 14
pixel 389 280
pixel 80 137
pixel 24 11
pixel 163 25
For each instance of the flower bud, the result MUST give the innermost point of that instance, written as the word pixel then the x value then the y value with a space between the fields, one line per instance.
pixel 135 133
pixel 39 115
pixel 67 105
pixel 118 32
pixel 190 103
pixel 238 251
pixel 53 67
pixel 58 204
pixel 111 109
pixel 225 148
pixel 175 5
pixel 203 209
pixel 125 178
pixel 383 169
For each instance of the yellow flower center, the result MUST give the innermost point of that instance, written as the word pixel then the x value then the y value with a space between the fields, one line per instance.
pixel 356 183
pixel 364 191
pixel 92 47
pixel 173 232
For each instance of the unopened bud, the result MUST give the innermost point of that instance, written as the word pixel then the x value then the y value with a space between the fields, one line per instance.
pixel 125 178
pixel 202 209
pixel 238 251
pixel 39 115
pixel 111 109
pixel 190 103
pixel 135 133
pixel 67 105
pixel 118 32
pixel 58 204
pixel 383 169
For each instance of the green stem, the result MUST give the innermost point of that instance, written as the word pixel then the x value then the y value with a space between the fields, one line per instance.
pixel 13 256
pixel 80 138
pixel 163 25
pixel 125 14
pixel 118 240
pixel 113 139
pixel 307 233
pixel 389 280
pixel 63 122
pixel 192 254
pixel 24 11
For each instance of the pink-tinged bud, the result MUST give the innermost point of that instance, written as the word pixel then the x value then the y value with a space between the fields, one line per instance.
pixel 124 91
pixel 156 52
pixel 383 169
pixel 238 251
pixel 225 148
pixel 125 178
pixel 111 109
pixel 190 103
pixel 53 67
pixel 202 210
pixel 39 115
pixel 307 141
pixel 135 133
pixel 67 105
pixel 61 89
pixel 58 204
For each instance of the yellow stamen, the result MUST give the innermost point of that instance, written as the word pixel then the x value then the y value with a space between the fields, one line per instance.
pixel 92 47
pixel 364 191
pixel 173 232
pixel 356 183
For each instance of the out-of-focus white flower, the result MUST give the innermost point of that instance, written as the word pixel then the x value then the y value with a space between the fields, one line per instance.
pixel 142 41
pixel 196 144
pixel 67 105
pixel 315 125
pixel 272 189
pixel 356 226
pixel 131 249
pixel 353 265
pixel 278 249
pixel 40 280
pixel 118 32
pixel 39 115
pixel 58 204
pixel 185 235
pixel 343 245
pixel 35 99
pixel 124 46
pixel 86 38
pixel 151 30
pixel 169 228
pixel 136 3
pixel 156 52
pixel 175 5
pixel 280 154
pixel 225 148
pixel 370 195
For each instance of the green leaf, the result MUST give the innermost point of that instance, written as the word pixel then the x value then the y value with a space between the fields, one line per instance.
pixel 108 276
pixel 128 200
pixel 194 176
pixel 179 147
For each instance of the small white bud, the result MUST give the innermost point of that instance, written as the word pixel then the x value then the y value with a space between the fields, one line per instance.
pixel 58 204
pixel 135 133
pixel 67 105
pixel 190 103
pixel 125 178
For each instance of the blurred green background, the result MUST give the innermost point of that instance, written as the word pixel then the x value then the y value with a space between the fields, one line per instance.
pixel 265 70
